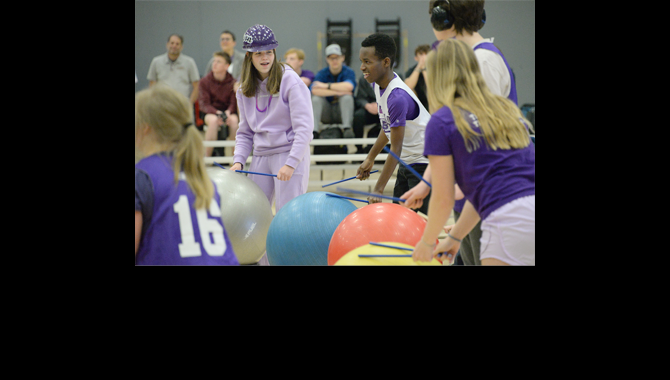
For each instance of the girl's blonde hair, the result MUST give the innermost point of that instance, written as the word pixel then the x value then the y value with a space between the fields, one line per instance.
pixel 170 115
pixel 454 80
pixel 250 76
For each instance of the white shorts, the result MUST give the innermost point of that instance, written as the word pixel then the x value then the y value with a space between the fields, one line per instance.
pixel 508 233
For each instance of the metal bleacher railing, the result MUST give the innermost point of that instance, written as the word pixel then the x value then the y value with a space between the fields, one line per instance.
pixel 323 162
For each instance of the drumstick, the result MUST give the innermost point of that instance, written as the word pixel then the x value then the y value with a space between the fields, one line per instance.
pixel 341 196
pixel 347 179
pixel 369 194
pixel 391 246
pixel 439 255
pixel 364 255
pixel 269 175
pixel 407 166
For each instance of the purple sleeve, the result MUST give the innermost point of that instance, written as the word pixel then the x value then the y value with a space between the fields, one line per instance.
pixel 143 189
pixel 401 107
pixel 144 196
pixel 302 121
pixel 307 74
pixel 245 136
pixel 438 129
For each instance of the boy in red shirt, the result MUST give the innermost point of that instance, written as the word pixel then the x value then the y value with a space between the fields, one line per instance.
pixel 217 100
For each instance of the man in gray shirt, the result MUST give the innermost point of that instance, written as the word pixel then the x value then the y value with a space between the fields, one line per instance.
pixel 177 70
pixel 227 42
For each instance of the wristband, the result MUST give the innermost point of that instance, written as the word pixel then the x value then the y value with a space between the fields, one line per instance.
pixel 458 240
pixel 329 86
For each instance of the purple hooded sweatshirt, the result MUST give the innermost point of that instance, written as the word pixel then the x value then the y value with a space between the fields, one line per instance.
pixel 284 124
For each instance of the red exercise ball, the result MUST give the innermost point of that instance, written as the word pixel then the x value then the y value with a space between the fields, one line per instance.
pixel 377 222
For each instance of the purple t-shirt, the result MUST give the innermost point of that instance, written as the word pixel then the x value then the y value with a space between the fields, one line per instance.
pixel 307 74
pixel 401 105
pixel 488 178
pixel 458 206
pixel 173 233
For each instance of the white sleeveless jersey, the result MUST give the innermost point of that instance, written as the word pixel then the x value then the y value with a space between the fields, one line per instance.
pixel 412 145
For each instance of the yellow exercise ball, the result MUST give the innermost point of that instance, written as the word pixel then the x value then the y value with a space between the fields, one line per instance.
pixel 352 258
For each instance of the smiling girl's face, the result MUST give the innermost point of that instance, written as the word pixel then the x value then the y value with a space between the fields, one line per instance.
pixel 262 61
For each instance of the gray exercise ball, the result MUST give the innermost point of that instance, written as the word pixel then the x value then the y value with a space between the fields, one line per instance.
pixel 246 213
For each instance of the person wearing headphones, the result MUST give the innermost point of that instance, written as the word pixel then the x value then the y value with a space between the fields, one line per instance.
pixel 462 20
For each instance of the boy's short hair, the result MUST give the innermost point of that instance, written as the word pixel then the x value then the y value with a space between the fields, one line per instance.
pixel 422 49
pixel 298 52
pixel 224 55
pixel 384 45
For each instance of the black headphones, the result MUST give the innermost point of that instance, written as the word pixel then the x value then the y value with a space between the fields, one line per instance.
pixel 442 19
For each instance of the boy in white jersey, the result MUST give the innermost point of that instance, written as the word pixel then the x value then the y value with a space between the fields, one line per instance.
pixel 403 119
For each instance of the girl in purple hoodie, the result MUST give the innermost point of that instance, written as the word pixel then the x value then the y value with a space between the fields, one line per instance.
pixel 276 120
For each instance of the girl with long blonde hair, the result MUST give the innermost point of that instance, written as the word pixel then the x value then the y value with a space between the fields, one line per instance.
pixel 463 20
pixel 480 141
pixel 177 210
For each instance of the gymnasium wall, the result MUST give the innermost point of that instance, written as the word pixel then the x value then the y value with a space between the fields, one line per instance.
pixel 296 23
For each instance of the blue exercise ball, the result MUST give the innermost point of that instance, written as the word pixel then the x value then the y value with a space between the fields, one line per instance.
pixel 301 231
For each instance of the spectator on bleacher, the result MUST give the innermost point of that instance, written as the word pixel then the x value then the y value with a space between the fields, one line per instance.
pixel 333 95
pixel 175 69
pixel 366 113
pixel 227 41
pixel 295 58
pixel 217 100
pixel 415 77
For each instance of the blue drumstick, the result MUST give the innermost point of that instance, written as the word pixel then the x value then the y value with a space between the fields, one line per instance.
pixel 340 196
pixel 362 255
pixel 369 194
pixel 347 179
pixel 407 166
pixel 392 246
pixel 269 175
pixel 219 165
